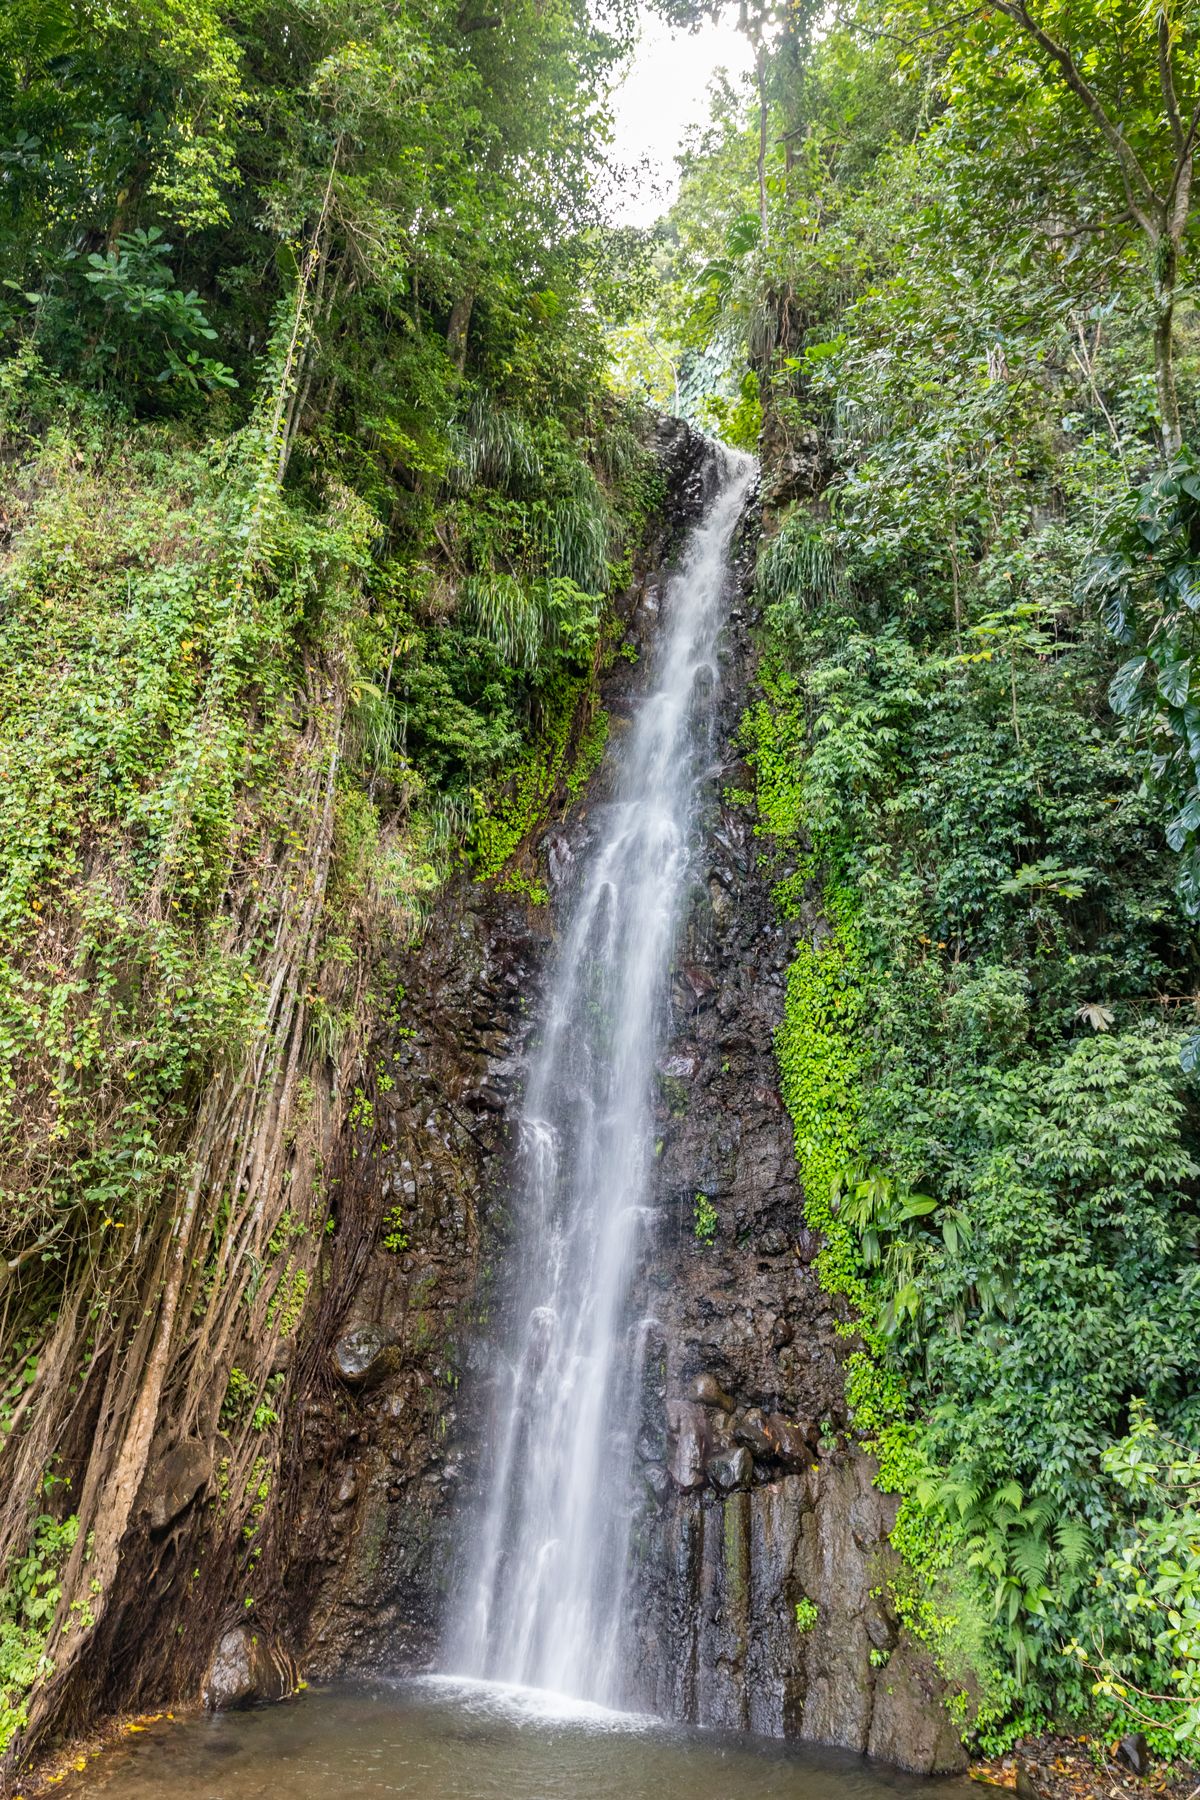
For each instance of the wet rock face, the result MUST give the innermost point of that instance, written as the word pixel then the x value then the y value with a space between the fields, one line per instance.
pixel 390 1427
pixel 796 466
pixel 750 1514
pixel 755 1505
pixel 383 1435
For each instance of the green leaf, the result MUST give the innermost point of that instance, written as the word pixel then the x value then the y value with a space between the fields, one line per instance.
pixel 1124 683
pixel 1173 681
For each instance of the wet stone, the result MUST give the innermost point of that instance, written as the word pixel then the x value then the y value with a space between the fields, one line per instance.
pixel 688 1440
pixel 658 1481
pixel 808 1244
pixel 1134 1752
pixel 750 1428
pixel 791 1442
pixel 247 1669
pixel 360 1355
pixel 732 1469
pixel 707 1391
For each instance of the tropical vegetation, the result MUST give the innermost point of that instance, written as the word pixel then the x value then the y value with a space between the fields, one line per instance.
pixel 317 491
pixel 940 267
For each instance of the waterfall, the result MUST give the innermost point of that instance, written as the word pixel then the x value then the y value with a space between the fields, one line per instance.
pixel 546 1565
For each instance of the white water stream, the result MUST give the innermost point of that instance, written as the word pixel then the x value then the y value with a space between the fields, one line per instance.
pixel 547 1566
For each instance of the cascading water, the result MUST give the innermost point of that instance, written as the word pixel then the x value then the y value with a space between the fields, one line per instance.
pixel 543 1606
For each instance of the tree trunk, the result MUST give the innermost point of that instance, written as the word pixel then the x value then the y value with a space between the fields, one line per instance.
pixel 760 76
pixel 1166 262
pixel 459 326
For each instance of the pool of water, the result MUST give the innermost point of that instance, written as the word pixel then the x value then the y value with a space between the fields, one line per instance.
pixel 443 1739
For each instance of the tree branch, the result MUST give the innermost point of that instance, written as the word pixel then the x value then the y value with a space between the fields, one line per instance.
pixel 1179 194
pixel 1133 174
pixel 1166 76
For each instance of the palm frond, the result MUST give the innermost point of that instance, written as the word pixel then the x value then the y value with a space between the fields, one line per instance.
pixel 799 564
pixel 493 446
pixel 505 612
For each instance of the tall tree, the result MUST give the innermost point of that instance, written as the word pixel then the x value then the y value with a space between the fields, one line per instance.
pixel 1094 109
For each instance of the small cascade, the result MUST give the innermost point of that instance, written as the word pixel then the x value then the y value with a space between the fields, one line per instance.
pixel 547 1565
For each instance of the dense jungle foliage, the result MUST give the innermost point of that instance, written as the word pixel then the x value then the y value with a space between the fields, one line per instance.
pixel 945 267
pixel 315 496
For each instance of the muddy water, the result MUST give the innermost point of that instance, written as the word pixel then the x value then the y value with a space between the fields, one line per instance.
pixel 443 1739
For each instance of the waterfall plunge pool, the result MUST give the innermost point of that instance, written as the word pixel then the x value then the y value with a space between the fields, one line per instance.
pixel 445 1739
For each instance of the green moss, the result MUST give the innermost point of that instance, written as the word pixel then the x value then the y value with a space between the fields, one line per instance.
pixel 504 822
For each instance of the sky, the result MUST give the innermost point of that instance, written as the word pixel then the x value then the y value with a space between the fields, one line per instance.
pixel 665 92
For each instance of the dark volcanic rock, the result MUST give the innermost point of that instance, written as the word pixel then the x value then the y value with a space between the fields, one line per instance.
pixel 750 1428
pixel 247 1669
pixel 658 1481
pixel 791 1443
pixel 173 1484
pixel 909 1722
pixel 360 1357
pixel 709 1392
pixel 688 1443
pixel 1134 1752
pixel 731 1469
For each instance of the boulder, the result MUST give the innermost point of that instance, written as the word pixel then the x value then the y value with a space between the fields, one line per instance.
pixel 688 1443
pixel 792 1445
pixel 173 1483
pixel 360 1355
pixel 1134 1752
pixel 706 1390
pixel 750 1428
pixel 247 1669
pixel 731 1469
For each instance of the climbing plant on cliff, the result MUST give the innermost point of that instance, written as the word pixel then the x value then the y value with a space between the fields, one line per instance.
pixel 315 501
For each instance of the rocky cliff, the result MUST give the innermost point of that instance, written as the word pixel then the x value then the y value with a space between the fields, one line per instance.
pixel 388 1434
pixel 762 1553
